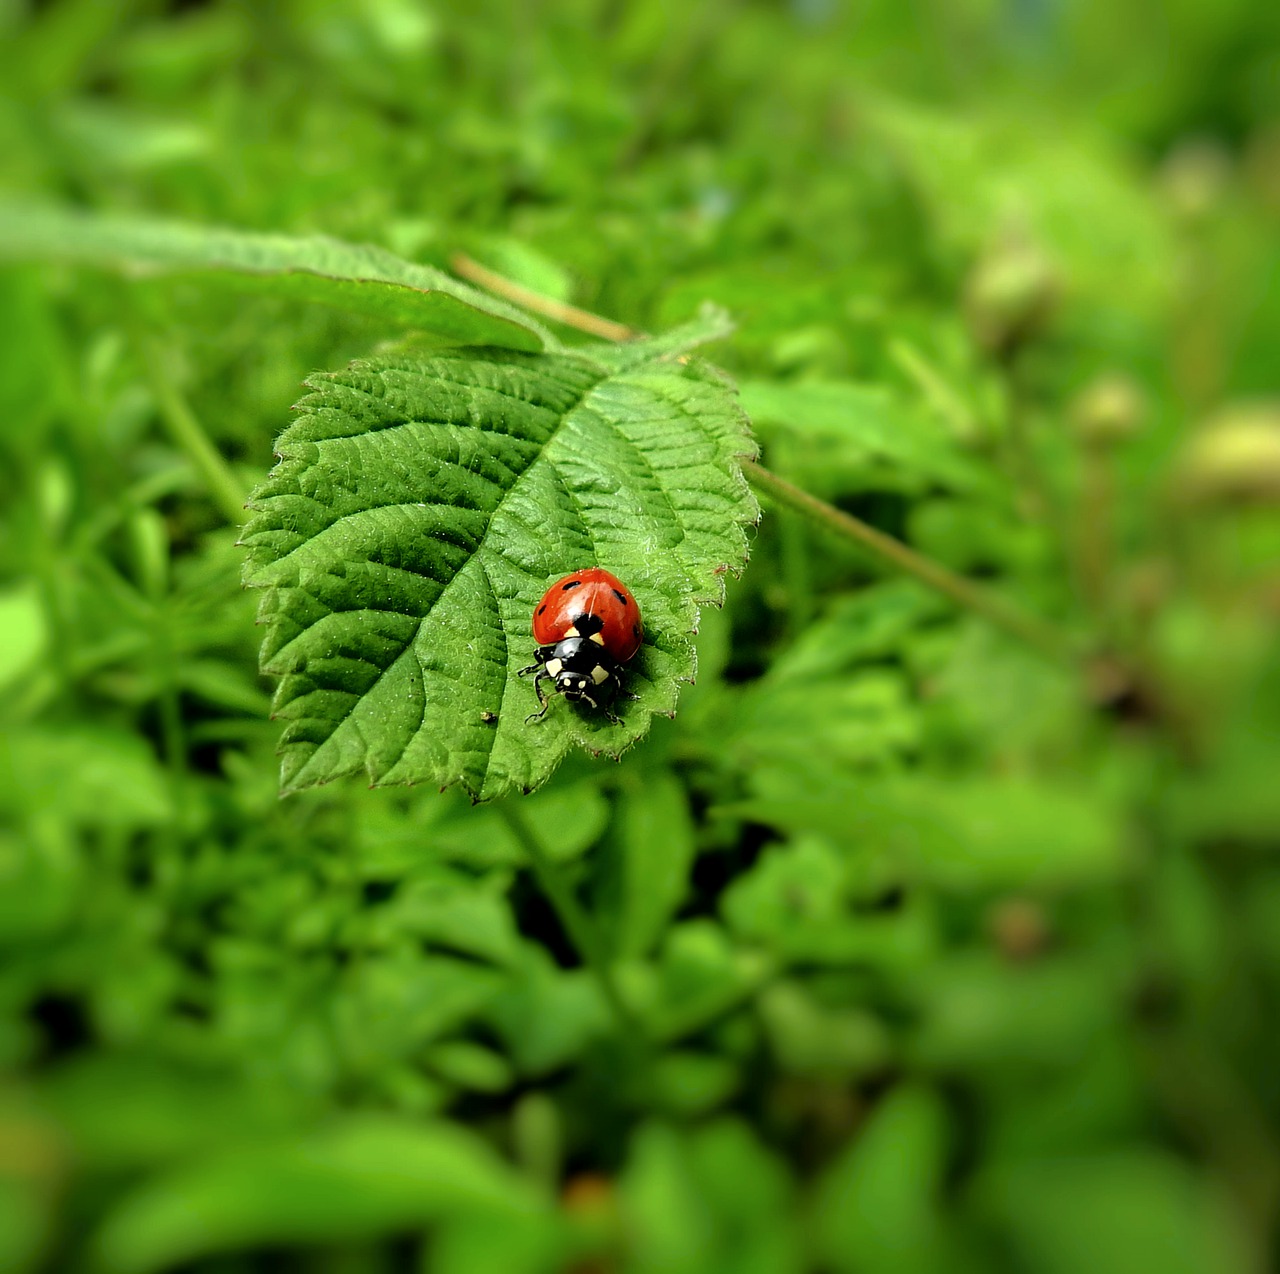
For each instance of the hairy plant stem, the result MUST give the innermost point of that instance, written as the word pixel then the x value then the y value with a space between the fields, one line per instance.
pixel 1034 501
pixel 1093 531
pixel 578 924
pixel 558 311
pixel 1034 632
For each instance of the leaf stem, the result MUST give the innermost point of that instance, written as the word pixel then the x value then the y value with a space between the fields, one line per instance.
pixel 1035 632
pixel 996 610
pixel 1093 530
pixel 558 311
pixel 577 923
pixel 942 396
pixel 185 429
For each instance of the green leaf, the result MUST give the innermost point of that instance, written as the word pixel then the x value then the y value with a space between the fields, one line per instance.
pixel 125 1111
pixel 863 719
pixel 876 1208
pixel 700 977
pixel 357 277
pixel 485 1243
pixel 808 1039
pixel 119 784
pixel 469 1065
pixel 422 506
pixel 978 1010
pixel 446 908
pixel 795 902
pixel 392 1006
pixel 646 863
pixel 866 424
pixel 1071 192
pixel 549 1016
pixel 41 874
pixel 686 1083
pixel 711 1201
pixel 962 836
pixel 673 1231
pixel 1108 1213
pixel 864 627
pixel 364 1178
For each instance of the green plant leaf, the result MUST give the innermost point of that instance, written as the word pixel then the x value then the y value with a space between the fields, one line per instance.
pixel 1110 1212
pixel 423 504
pixel 646 863
pixel 962 836
pixel 876 1206
pixel 357 277
pixel 713 1200
pixel 870 426
pixel 548 1015
pixel 358 1179
pixel 118 781
pixel 795 903
pixel 808 1038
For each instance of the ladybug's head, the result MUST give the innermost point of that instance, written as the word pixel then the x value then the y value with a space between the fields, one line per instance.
pixel 573 685
pixel 580 667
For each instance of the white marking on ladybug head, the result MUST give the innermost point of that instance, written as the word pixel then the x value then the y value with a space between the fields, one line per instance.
pixel 554 666
pixel 599 675
pixel 598 638
pixel 571 632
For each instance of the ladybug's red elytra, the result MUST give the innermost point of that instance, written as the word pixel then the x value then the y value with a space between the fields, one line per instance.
pixel 587 626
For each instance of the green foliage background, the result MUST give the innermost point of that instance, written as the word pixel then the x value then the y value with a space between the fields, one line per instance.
pixel 934 954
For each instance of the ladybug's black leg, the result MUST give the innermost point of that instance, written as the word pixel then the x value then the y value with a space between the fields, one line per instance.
pixel 614 718
pixel 542 699
pixel 540 657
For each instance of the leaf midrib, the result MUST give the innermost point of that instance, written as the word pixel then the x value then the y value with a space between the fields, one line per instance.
pixel 477 555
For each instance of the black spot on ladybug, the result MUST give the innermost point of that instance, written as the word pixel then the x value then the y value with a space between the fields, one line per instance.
pixel 541 609
pixel 622 597
pixel 573 583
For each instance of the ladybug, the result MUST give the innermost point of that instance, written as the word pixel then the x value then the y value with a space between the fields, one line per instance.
pixel 587 626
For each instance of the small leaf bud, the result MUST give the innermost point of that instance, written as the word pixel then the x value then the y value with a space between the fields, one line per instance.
pixel 1235 458
pixel 1109 410
pixel 1010 295
pixel 1194 177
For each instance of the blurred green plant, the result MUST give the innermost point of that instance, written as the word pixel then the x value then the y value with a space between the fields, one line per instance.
pixel 902 947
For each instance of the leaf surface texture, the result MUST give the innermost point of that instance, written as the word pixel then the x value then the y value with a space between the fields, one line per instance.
pixel 422 505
